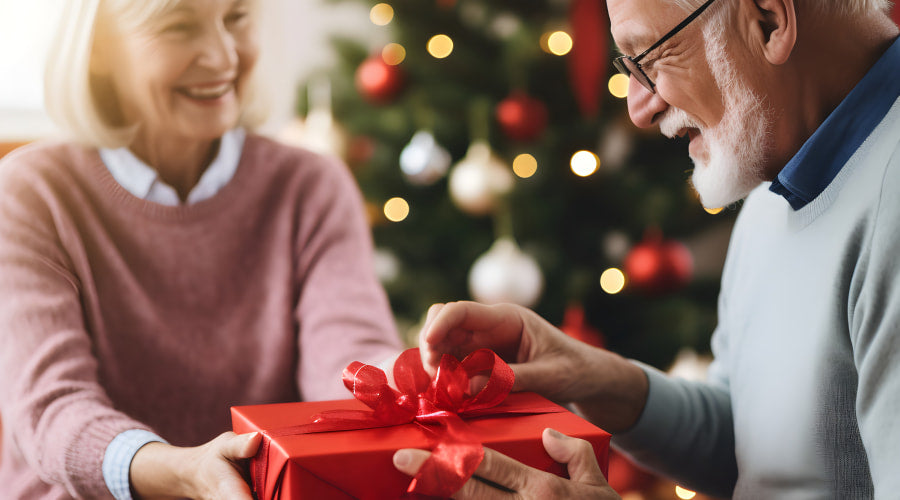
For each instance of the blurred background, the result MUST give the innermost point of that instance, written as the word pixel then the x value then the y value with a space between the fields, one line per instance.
pixel 493 147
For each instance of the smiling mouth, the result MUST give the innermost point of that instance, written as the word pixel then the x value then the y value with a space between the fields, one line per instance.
pixel 207 92
pixel 691 133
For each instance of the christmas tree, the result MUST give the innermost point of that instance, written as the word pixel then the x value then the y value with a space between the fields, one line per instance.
pixel 492 143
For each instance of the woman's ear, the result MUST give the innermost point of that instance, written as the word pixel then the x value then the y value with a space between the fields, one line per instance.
pixel 773 28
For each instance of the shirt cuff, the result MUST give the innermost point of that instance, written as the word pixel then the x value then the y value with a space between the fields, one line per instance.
pixel 117 460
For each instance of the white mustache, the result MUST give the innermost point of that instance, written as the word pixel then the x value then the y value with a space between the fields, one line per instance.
pixel 675 120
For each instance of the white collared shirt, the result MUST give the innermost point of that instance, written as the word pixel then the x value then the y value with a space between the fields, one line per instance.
pixel 144 182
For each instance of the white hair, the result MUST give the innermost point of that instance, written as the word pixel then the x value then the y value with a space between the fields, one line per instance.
pixel 72 93
pixel 842 7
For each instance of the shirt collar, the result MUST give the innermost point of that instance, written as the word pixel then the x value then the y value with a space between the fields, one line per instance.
pixel 824 154
pixel 143 181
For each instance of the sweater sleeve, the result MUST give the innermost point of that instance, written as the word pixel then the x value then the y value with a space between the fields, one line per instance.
pixel 58 414
pixel 343 311
pixel 874 320
pixel 685 432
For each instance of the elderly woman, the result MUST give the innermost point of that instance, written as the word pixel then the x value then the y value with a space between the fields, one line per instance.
pixel 168 263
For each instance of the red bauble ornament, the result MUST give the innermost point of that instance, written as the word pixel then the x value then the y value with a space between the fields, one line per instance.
pixel 659 266
pixel 576 327
pixel 378 81
pixel 522 117
pixel 361 150
pixel 625 476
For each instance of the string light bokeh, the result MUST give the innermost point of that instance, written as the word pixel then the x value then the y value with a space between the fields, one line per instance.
pixel 584 163
pixel 381 14
pixel 396 209
pixel 618 85
pixel 524 165
pixel 559 43
pixel 440 46
pixel 612 281
pixel 393 54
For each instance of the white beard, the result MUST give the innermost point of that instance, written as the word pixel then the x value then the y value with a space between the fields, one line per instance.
pixel 737 146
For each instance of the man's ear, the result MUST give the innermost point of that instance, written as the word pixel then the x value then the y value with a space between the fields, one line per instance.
pixel 773 27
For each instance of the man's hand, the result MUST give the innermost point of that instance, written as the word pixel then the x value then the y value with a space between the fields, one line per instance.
pixel 609 390
pixel 516 480
pixel 210 471
pixel 544 359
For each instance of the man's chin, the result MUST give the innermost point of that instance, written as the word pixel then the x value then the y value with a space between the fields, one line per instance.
pixel 716 190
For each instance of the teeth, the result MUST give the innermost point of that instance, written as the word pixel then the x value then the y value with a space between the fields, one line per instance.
pixel 208 92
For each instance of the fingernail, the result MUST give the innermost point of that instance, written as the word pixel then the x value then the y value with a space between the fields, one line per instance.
pixel 555 433
pixel 402 458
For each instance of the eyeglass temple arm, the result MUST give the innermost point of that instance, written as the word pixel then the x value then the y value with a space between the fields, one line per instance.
pixel 674 30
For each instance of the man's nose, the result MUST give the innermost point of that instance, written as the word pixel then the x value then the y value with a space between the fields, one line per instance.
pixel 644 107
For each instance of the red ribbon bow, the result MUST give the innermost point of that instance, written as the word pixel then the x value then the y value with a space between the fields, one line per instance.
pixel 441 401
pixel 437 405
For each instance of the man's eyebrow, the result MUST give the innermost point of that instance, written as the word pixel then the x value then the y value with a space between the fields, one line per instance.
pixel 635 43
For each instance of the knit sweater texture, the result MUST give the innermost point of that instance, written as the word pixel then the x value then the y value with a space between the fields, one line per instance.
pixel 803 397
pixel 117 313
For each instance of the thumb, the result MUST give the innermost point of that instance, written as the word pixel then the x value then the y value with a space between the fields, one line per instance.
pixel 241 445
pixel 577 454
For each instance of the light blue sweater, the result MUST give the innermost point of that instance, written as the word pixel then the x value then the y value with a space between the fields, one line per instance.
pixel 803 398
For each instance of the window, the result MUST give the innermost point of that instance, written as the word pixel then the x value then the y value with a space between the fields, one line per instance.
pixel 25 32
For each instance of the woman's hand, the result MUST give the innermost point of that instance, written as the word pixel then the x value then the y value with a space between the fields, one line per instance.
pixel 518 481
pixel 210 471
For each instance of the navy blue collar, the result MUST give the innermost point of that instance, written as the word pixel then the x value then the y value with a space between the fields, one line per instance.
pixel 824 154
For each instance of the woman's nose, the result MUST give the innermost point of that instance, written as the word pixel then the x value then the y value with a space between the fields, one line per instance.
pixel 218 50
pixel 644 107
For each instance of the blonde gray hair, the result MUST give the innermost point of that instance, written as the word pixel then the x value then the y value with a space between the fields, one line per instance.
pixel 71 90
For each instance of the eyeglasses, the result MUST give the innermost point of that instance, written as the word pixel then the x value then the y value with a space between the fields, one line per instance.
pixel 631 66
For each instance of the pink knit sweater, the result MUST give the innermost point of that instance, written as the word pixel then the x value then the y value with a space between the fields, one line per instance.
pixel 117 313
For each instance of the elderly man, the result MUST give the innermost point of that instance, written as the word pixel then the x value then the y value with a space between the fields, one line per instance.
pixel 793 105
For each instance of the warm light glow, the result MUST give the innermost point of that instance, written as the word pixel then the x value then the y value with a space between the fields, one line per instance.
pixel 612 281
pixel 618 85
pixel 381 14
pixel 396 209
pixel 584 163
pixel 393 54
pixel 544 41
pixel 559 43
pixel 683 493
pixel 440 46
pixel 524 165
pixel 713 211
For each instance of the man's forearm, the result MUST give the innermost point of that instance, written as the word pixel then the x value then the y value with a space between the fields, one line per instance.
pixel 616 391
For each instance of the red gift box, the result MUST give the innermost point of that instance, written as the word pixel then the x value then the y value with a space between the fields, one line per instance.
pixel 302 458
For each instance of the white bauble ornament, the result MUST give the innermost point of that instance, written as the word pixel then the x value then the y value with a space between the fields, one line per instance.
pixel 616 145
pixel 616 245
pixel 690 366
pixel 387 266
pixel 319 131
pixel 506 274
pixel 479 180
pixel 423 160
